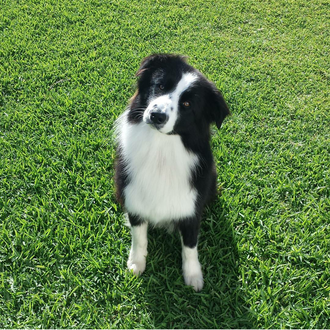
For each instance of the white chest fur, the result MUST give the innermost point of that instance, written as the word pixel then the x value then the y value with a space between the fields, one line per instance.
pixel 159 171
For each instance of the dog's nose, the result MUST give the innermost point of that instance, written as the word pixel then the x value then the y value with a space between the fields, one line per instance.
pixel 158 118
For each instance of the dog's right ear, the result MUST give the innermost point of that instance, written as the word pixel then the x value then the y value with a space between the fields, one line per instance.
pixel 146 64
pixel 157 60
pixel 145 71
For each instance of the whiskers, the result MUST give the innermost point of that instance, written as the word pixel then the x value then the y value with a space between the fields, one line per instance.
pixel 138 112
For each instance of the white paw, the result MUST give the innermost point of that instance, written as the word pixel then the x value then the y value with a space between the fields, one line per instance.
pixel 196 281
pixel 136 266
pixel 193 276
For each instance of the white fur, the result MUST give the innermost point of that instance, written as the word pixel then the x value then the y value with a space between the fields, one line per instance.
pixel 138 253
pixel 192 271
pixel 169 103
pixel 159 170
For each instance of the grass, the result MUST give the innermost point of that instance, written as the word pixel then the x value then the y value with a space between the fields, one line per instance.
pixel 66 73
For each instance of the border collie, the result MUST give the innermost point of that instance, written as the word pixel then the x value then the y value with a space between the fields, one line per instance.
pixel 165 172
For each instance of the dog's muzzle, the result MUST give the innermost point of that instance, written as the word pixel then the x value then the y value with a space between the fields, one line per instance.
pixel 160 114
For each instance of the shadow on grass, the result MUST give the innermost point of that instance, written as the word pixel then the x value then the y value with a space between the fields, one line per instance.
pixel 221 303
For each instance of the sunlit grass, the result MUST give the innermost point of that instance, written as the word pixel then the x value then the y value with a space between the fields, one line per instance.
pixel 67 71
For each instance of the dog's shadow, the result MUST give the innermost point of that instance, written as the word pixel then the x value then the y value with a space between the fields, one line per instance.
pixel 221 303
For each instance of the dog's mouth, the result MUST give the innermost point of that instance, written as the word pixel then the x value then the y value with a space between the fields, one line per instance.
pixel 172 133
pixel 151 124
pixel 158 127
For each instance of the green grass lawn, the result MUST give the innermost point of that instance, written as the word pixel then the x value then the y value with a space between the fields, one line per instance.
pixel 66 73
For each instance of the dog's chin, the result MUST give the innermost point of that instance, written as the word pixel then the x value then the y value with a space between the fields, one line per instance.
pixel 161 131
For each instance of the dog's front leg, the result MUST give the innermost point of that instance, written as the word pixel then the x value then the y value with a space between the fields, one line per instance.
pixel 192 270
pixel 138 253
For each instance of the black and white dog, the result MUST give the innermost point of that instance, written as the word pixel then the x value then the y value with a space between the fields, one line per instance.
pixel 165 171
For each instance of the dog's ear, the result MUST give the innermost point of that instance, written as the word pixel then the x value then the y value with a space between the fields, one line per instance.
pixel 156 61
pixel 217 106
pixel 145 64
pixel 150 62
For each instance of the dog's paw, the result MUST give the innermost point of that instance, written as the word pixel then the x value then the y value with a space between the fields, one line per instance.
pixel 192 274
pixel 194 280
pixel 136 266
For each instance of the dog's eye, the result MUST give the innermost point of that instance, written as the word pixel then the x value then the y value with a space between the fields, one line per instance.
pixel 186 104
pixel 161 86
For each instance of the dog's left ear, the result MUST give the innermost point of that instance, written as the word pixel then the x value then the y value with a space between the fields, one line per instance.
pixel 217 106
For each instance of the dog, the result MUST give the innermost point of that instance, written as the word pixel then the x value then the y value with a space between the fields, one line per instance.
pixel 165 172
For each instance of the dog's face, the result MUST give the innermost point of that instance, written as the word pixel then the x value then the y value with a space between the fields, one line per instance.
pixel 175 98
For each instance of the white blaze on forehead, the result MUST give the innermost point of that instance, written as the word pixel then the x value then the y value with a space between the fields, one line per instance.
pixel 185 82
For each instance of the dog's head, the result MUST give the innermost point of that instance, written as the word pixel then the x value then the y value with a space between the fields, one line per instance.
pixel 174 97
